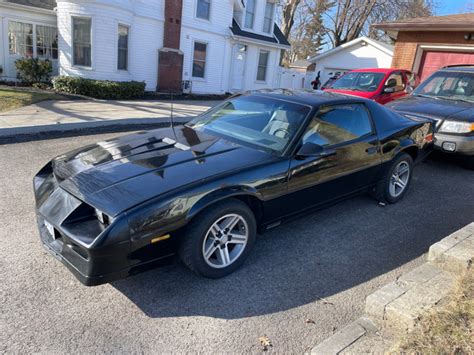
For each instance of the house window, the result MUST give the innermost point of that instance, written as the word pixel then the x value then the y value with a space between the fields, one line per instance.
pixel 203 9
pixel 20 38
pixel 249 13
pixel 199 60
pixel 262 66
pixel 82 41
pixel 122 55
pixel 268 20
pixel 46 42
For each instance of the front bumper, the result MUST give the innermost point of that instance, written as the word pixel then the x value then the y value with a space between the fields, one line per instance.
pixel 94 252
pixel 65 251
pixel 455 144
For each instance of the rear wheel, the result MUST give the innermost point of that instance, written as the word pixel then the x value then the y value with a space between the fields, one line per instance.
pixel 396 180
pixel 218 241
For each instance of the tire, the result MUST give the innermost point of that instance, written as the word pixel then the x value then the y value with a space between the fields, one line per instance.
pixel 384 191
pixel 226 250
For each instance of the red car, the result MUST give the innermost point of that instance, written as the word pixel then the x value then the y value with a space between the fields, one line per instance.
pixel 380 85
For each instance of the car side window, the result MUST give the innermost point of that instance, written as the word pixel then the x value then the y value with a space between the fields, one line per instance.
pixel 338 124
pixel 399 79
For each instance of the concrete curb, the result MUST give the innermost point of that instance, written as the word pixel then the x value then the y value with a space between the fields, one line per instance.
pixel 394 309
pixel 28 133
pixel 345 337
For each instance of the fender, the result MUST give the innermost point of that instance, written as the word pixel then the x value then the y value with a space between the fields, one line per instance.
pixel 219 195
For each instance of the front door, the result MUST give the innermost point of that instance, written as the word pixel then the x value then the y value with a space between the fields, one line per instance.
pixel 238 67
pixel 352 162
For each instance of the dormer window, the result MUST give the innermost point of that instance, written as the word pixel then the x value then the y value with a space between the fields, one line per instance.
pixel 203 10
pixel 268 21
pixel 249 13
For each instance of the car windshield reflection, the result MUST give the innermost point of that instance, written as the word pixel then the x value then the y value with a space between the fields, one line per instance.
pixel 448 86
pixel 358 81
pixel 257 121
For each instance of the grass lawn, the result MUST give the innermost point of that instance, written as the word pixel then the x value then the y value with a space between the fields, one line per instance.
pixel 449 329
pixel 11 98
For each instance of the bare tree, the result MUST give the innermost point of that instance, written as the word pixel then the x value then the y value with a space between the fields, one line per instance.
pixel 288 16
pixel 350 19
pixel 311 25
pixel 287 21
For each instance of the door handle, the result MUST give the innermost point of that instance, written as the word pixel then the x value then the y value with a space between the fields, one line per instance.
pixel 372 150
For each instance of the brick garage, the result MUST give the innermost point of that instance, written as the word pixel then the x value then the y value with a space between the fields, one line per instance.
pixel 426 44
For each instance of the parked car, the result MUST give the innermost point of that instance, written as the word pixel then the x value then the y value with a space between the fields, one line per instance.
pixel 203 190
pixel 329 82
pixel 380 85
pixel 447 97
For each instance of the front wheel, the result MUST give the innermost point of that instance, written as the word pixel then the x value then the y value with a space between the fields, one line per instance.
pixel 218 240
pixel 396 180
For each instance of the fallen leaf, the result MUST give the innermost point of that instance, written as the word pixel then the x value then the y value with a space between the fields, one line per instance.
pixel 309 321
pixel 265 342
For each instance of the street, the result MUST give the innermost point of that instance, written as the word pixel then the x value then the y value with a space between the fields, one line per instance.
pixel 303 281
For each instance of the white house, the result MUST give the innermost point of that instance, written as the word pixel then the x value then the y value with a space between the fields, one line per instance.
pixel 214 46
pixel 359 53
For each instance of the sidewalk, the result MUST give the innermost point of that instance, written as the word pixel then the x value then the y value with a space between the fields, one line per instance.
pixel 57 116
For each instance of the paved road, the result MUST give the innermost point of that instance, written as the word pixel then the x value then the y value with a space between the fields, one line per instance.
pixel 320 267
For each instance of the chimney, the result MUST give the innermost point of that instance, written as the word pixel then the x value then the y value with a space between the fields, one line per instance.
pixel 170 60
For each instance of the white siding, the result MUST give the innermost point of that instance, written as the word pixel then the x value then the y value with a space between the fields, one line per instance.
pixel 354 57
pixel 145 19
pixel 259 17
pixel 215 33
pixel 21 14
pixel 145 39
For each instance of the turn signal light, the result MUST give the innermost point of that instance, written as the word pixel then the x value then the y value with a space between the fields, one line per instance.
pixel 159 239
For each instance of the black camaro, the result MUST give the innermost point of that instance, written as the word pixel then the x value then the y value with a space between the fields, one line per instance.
pixel 203 190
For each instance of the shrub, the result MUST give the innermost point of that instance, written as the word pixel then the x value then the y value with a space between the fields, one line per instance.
pixel 99 89
pixel 33 70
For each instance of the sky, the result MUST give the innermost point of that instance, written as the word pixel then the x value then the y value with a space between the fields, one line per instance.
pixel 448 7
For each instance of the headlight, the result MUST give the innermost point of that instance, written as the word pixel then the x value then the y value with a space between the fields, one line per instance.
pixel 456 127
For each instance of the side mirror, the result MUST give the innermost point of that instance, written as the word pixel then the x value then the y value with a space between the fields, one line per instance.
pixel 409 89
pixel 390 86
pixel 391 83
pixel 314 150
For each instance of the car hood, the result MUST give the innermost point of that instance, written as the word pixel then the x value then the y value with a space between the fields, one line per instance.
pixel 118 174
pixel 365 94
pixel 437 109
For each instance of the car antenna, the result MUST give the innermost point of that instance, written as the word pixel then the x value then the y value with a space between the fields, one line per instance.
pixel 171 114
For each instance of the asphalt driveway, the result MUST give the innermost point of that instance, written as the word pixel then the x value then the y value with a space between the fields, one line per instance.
pixel 319 267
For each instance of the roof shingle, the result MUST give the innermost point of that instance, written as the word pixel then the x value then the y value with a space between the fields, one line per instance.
pixel 460 21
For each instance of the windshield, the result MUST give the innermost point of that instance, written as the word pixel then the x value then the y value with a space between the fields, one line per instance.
pixel 261 122
pixel 359 81
pixel 449 86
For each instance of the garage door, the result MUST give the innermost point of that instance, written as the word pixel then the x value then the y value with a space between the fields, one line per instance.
pixel 432 61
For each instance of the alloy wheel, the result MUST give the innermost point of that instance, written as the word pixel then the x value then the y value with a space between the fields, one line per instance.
pixel 225 241
pixel 399 179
